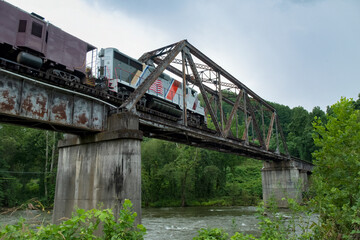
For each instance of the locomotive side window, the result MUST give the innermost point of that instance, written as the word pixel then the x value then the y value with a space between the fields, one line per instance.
pixel 22 25
pixel 136 65
pixel 36 29
pixel 127 61
pixel 121 57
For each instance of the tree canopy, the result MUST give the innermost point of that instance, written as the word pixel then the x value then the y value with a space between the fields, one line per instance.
pixel 337 172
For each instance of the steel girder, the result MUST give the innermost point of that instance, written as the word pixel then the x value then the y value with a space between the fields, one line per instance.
pixel 173 51
pixel 247 102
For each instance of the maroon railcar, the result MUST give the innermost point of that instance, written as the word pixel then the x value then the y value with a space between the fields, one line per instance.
pixel 29 40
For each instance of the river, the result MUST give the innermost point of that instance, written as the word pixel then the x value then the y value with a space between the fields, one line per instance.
pixel 173 223
pixel 183 223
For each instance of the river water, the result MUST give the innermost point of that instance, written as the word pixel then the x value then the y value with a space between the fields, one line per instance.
pixel 170 223
pixel 183 223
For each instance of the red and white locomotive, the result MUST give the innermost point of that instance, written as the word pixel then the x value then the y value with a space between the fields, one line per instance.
pixel 165 94
pixel 29 40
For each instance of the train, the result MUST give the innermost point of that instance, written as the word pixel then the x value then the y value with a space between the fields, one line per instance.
pixel 28 40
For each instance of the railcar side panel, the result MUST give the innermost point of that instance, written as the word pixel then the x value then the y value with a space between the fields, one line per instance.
pixel 66 49
pixel 9 23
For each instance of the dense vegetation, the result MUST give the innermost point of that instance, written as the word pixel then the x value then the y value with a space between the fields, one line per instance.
pixel 28 163
pixel 83 225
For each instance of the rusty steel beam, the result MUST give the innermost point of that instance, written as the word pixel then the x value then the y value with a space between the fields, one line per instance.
pixel 263 122
pixel 224 84
pixel 246 130
pixel 233 111
pixel 229 133
pixel 135 96
pixel 220 101
pixel 158 52
pixel 184 86
pixel 29 102
pixel 227 75
pixel 203 92
pixel 207 139
pixel 198 65
pixel 255 125
pixel 267 144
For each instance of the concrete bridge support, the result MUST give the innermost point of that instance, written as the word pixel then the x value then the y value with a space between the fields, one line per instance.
pixel 103 168
pixel 285 179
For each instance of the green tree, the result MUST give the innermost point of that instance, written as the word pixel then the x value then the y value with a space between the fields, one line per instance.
pixel 337 173
pixel 183 165
pixel 357 103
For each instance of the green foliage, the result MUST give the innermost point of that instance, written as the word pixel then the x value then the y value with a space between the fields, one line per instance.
pixel 82 225
pixel 271 223
pixel 336 176
pixel 178 175
pixel 211 234
pixel 240 236
pixel 23 162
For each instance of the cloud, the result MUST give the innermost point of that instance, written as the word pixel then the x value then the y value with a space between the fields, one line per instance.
pixel 292 52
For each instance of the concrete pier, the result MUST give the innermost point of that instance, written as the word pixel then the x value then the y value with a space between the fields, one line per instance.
pixel 286 179
pixel 100 169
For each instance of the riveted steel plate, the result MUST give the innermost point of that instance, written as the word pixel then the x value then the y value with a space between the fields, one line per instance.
pixel 21 97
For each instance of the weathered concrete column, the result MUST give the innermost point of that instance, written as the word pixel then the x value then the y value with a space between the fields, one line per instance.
pixel 103 168
pixel 284 180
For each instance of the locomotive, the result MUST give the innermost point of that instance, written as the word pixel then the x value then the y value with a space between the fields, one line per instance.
pixel 29 40
pixel 165 94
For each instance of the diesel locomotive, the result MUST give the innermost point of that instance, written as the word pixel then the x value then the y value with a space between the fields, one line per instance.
pixel 29 40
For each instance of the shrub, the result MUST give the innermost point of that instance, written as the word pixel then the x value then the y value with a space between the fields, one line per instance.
pixel 211 234
pixel 82 225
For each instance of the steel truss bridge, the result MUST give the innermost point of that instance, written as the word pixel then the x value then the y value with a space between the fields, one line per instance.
pixel 252 129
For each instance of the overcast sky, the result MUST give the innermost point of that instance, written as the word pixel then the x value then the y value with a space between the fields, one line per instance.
pixel 293 52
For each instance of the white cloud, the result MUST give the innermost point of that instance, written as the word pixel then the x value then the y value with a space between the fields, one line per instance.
pixel 292 52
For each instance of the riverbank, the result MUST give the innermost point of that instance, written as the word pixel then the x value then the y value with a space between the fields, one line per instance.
pixel 215 202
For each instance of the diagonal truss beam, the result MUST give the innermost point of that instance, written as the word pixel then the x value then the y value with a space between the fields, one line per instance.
pixel 203 92
pixel 270 131
pixel 246 130
pixel 135 96
pixel 158 52
pixel 256 126
pixel 233 111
